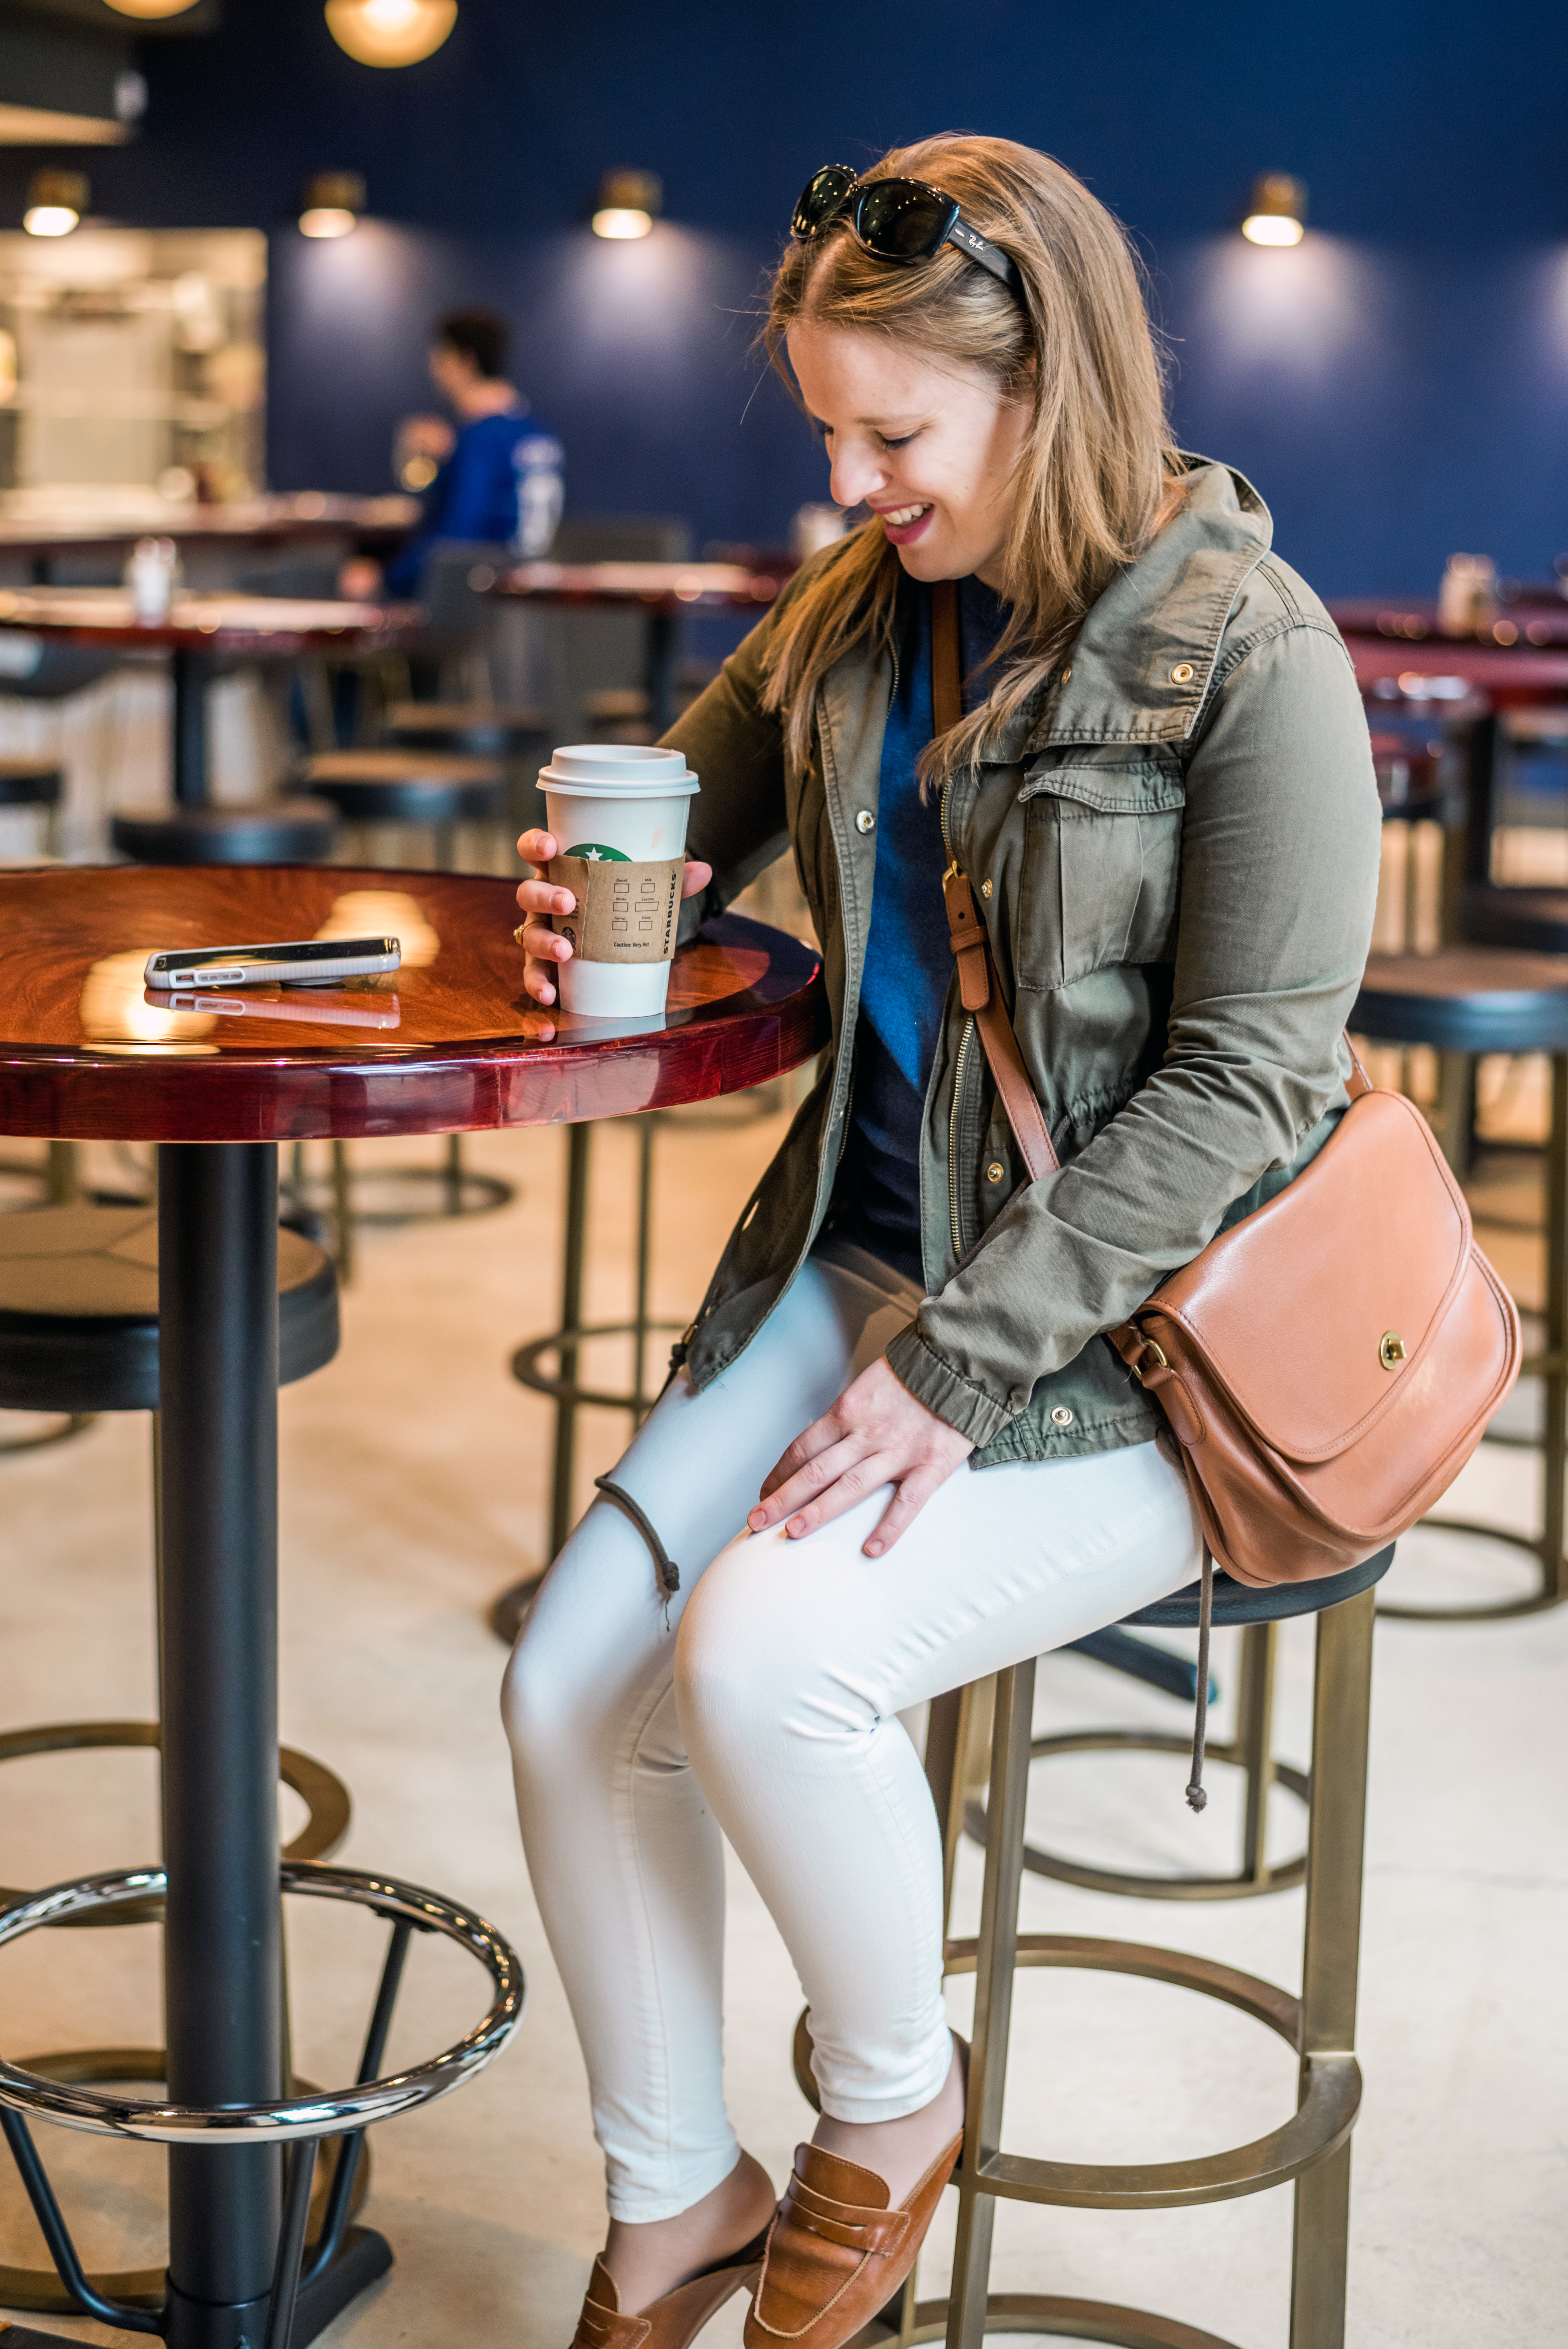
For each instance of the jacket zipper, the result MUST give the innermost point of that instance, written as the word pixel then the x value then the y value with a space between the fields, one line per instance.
pixel 953 1221
pixel 963 1055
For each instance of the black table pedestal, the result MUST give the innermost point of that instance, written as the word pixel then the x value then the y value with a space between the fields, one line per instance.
pixel 188 675
pixel 218 1441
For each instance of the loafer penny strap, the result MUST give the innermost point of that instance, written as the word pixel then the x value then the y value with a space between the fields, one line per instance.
pixel 850 2224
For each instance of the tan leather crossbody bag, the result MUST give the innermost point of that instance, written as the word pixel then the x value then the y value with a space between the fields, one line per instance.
pixel 1329 1364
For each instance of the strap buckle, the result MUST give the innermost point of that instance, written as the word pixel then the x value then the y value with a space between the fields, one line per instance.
pixel 1143 1362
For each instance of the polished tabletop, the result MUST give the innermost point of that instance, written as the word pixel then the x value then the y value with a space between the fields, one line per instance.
pixel 659 587
pixel 1515 658
pixel 28 524
pixel 210 624
pixel 449 1043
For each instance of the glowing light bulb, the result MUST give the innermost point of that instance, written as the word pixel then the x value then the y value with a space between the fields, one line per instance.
pixel 621 221
pixel 49 219
pixel 151 7
pixel 1269 228
pixel 390 32
pixel 55 203
pixel 325 220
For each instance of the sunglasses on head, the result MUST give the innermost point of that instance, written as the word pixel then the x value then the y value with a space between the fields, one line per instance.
pixel 895 220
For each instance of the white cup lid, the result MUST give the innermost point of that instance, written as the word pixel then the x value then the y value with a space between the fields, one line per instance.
pixel 607 770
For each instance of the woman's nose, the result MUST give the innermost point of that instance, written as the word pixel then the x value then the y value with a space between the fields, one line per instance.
pixel 855 475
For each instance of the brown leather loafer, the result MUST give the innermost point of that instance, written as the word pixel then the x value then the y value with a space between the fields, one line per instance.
pixel 671 2323
pixel 837 2253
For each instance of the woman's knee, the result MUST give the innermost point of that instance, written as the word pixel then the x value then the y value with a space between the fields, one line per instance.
pixel 747 1658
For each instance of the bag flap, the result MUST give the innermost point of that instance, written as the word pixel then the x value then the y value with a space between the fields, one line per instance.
pixel 1315 1310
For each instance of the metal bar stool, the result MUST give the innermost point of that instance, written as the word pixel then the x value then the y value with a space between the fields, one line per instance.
pixel 285 832
pixel 79 1336
pixel 310 2283
pixel 1466 1001
pixel 517 734
pixel 38 785
pixel 436 792
pixel 1310 2149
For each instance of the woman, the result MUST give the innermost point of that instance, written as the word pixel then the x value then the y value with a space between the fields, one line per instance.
pixel 1162 793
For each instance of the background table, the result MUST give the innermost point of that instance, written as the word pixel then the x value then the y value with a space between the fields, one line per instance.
pixel 663 592
pixel 451 1044
pixel 200 630
pixel 37 533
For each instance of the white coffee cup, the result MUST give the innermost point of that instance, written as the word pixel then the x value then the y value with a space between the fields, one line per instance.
pixel 619 800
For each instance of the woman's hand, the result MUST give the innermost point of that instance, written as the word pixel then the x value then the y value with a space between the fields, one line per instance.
pixel 876 1433
pixel 539 898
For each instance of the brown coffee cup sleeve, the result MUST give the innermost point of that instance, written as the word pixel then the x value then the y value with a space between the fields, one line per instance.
pixel 625 911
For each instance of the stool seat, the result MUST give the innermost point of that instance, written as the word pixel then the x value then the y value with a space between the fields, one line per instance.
pixel 1406 777
pixel 1534 919
pixel 1246 1602
pixel 283 831
pixel 79 1308
pixel 1465 999
pixel 477 726
pixel 29 783
pixel 408 786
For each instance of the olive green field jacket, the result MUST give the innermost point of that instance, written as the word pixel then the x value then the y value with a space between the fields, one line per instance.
pixel 1176 855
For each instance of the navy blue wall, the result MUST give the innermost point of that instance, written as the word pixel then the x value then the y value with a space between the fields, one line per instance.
pixel 1397 386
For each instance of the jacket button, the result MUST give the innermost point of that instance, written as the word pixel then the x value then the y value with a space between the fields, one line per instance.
pixel 985 888
pixel 1061 1416
pixel 995 1172
pixel 1066 674
pixel 1184 673
pixel 865 821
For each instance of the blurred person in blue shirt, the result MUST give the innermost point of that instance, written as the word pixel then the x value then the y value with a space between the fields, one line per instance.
pixel 498 475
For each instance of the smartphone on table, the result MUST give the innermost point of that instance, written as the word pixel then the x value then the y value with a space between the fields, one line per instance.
pixel 292 962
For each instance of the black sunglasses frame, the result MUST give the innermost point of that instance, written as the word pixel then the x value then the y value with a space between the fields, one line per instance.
pixel 847 201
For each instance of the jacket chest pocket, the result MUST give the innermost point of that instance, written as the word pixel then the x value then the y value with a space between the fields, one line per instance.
pixel 1101 875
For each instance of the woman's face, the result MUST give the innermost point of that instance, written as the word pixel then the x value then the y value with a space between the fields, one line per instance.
pixel 931 446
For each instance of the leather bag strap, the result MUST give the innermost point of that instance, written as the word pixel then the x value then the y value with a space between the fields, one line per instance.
pixel 977 989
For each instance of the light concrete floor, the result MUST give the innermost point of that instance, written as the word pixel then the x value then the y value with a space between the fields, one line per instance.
pixel 413 1488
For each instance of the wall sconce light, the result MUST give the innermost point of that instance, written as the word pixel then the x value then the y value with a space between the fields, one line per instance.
pixel 629 203
pixel 1278 212
pixel 331 204
pixel 390 32
pixel 55 203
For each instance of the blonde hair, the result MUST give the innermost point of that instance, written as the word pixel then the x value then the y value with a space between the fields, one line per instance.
pixel 1097 459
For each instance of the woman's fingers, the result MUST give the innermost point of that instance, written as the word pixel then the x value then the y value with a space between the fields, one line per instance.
pixel 544 897
pixel 913 1491
pixel 795 1484
pixel 537 847
pixel 696 876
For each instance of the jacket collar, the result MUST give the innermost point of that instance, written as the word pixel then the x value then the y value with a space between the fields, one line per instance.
pixel 1164 615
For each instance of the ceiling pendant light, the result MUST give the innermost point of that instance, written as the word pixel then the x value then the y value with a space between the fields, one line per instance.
pixel 390 32
pixel 55 203
pixel 151 7
pixel 628 204
pixel 1278 212
pixel 331 204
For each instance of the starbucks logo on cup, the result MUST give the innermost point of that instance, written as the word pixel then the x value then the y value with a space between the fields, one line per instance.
pixel 593 851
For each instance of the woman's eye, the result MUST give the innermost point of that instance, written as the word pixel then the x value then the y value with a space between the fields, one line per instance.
pixel 902 442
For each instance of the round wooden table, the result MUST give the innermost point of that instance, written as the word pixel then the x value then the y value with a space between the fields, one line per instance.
pixel 661 592
pixel 200 630
pixel 218 1081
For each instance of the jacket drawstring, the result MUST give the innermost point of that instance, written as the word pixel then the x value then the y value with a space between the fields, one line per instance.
pixel 668 1572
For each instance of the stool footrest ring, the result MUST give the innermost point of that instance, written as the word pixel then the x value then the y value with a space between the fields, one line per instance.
pixel 1074 2320
pixel 292 2119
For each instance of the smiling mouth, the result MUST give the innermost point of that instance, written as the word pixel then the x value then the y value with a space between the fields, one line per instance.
pixel 899 517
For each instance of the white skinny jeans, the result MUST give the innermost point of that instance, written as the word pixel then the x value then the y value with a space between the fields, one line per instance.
pixel 763 1701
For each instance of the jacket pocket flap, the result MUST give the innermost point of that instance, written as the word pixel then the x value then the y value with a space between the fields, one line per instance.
pixel 1140 787
pixel 1320 1308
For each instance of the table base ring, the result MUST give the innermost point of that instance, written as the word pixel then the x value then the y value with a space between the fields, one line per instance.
pixel 325 1797
pixel 39 2292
